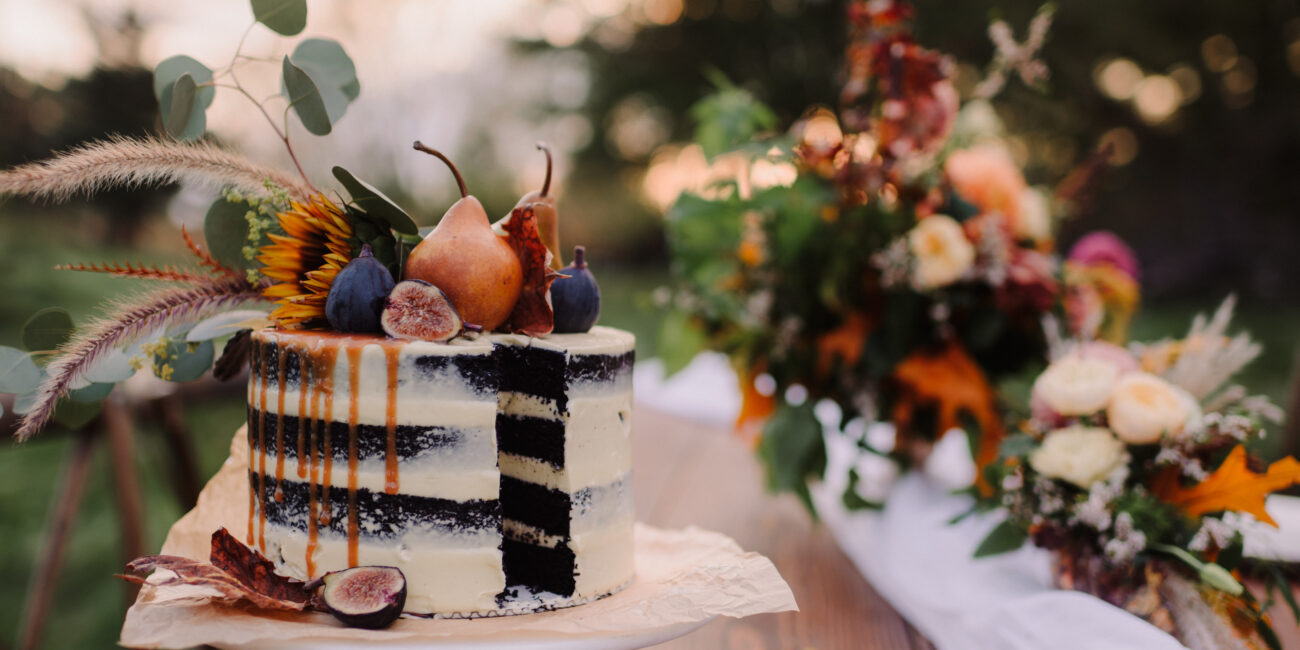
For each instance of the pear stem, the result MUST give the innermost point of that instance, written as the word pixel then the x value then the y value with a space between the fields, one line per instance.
pixel 579 257
pixel 460 182
pixel 546 184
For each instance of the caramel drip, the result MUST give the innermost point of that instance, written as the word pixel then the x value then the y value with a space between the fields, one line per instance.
pixel 252 491
pixel 305 367
pixel 391 354
pixel 328 358
pixel 308 428
pixel 322 384
pixel 354 381
pixel 261 456
pixel 279 427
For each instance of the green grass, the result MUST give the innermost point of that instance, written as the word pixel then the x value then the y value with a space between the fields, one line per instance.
pixel 89 605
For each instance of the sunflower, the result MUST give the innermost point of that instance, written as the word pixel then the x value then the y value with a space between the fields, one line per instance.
pixel 305 260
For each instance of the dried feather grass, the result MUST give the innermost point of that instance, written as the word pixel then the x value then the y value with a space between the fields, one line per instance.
pixel 166 273
pixel 127 323
pixel 140 162
pixel 1208 358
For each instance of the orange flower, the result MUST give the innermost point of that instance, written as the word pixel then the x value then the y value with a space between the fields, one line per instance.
pixel 305 260
pixel 987 176
pixel 1231 487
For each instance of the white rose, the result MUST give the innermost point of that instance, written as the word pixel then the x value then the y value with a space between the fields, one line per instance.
pixel 1080 455
pixel 943 254
pixel 1144 407
pixel 1075 385
pixel 1035 220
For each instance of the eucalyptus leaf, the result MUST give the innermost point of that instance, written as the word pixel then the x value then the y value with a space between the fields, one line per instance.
pixel 25 402
pixel 75 415
pixel 47 329
pixel 284 17
pixel 306 99
pixel 226 229
pixel 183 119
pixel 332 71
pixel 225 324
pixel 111 368
pixel 91 393
pixel 18 374
pixel 374 203
pixel 188 361
pixel 171 69
pixel 1006 537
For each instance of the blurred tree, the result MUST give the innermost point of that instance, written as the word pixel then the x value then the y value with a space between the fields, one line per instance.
pixel 115 98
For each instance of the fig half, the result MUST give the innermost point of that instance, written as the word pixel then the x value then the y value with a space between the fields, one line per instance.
pixel 418 311
pixel 370 597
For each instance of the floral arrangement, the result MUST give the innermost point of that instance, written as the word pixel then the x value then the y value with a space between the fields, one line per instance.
pixel 891 257
pixel 275 243
pixel 1135 470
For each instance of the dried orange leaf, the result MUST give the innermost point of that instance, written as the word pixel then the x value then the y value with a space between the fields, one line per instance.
pixel 532 315
pixel 949 381
pixel 1231 487
pixel 236 572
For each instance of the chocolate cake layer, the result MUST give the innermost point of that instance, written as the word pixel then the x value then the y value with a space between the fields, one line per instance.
pixel 380 515
pixel 551 374
pixel 539 567
pixel 536 505
pixel 372 440
pixel 534 437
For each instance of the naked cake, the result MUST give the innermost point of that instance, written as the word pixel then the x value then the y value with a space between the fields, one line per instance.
pixel 479 466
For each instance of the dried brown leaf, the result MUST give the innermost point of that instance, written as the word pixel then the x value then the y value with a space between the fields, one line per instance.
pixel 532 315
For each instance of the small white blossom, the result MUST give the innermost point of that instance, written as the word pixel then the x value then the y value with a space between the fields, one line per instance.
pixel 1128 541
pixel 1212 530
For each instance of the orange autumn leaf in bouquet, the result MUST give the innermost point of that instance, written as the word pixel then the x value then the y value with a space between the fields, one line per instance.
pixel 952 383
pixel 1231 487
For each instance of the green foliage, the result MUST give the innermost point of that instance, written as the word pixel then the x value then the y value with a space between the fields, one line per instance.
pixel 680 340
pixel 794 451
pixel 182 361
pixel 47 329
pixel 73 415
pixel 18 374
pixel 374 203
pixel 226 229
pixel 729 118
pixel 332 71
pixel 305 99
pixel 1004 538
pixel 284 17
pixel 91 393
pixel 183 119
pixel 184 90
pixel 852 500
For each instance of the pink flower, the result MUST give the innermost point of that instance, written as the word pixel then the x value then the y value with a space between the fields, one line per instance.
pixel 1105 248
pixel 986 176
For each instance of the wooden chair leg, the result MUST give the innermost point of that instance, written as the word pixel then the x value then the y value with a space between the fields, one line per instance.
pixel 41 589
pixel 117 423
pixel 184 465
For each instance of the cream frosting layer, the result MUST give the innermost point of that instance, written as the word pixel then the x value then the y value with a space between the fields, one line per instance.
pixel 414 478
pixel 600 340
pixel 438 580
pixel 597 442
pixel 603 559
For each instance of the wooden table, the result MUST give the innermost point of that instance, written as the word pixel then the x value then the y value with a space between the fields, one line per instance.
pixel 687 473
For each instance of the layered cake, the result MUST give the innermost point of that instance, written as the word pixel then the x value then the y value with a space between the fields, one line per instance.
pixel 480 467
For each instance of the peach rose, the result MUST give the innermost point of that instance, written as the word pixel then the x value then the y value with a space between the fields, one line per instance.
pixel 986 176
pixel 942 252
pixel 1144 407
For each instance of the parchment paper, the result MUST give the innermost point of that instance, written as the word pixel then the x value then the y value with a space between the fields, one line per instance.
pixel 682 577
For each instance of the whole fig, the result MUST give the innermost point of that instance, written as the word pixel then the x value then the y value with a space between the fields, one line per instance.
pixel 356 297
pixel 575 299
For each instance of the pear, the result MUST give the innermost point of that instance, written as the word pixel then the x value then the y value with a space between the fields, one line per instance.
pixel 477 269
pixel 548 218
